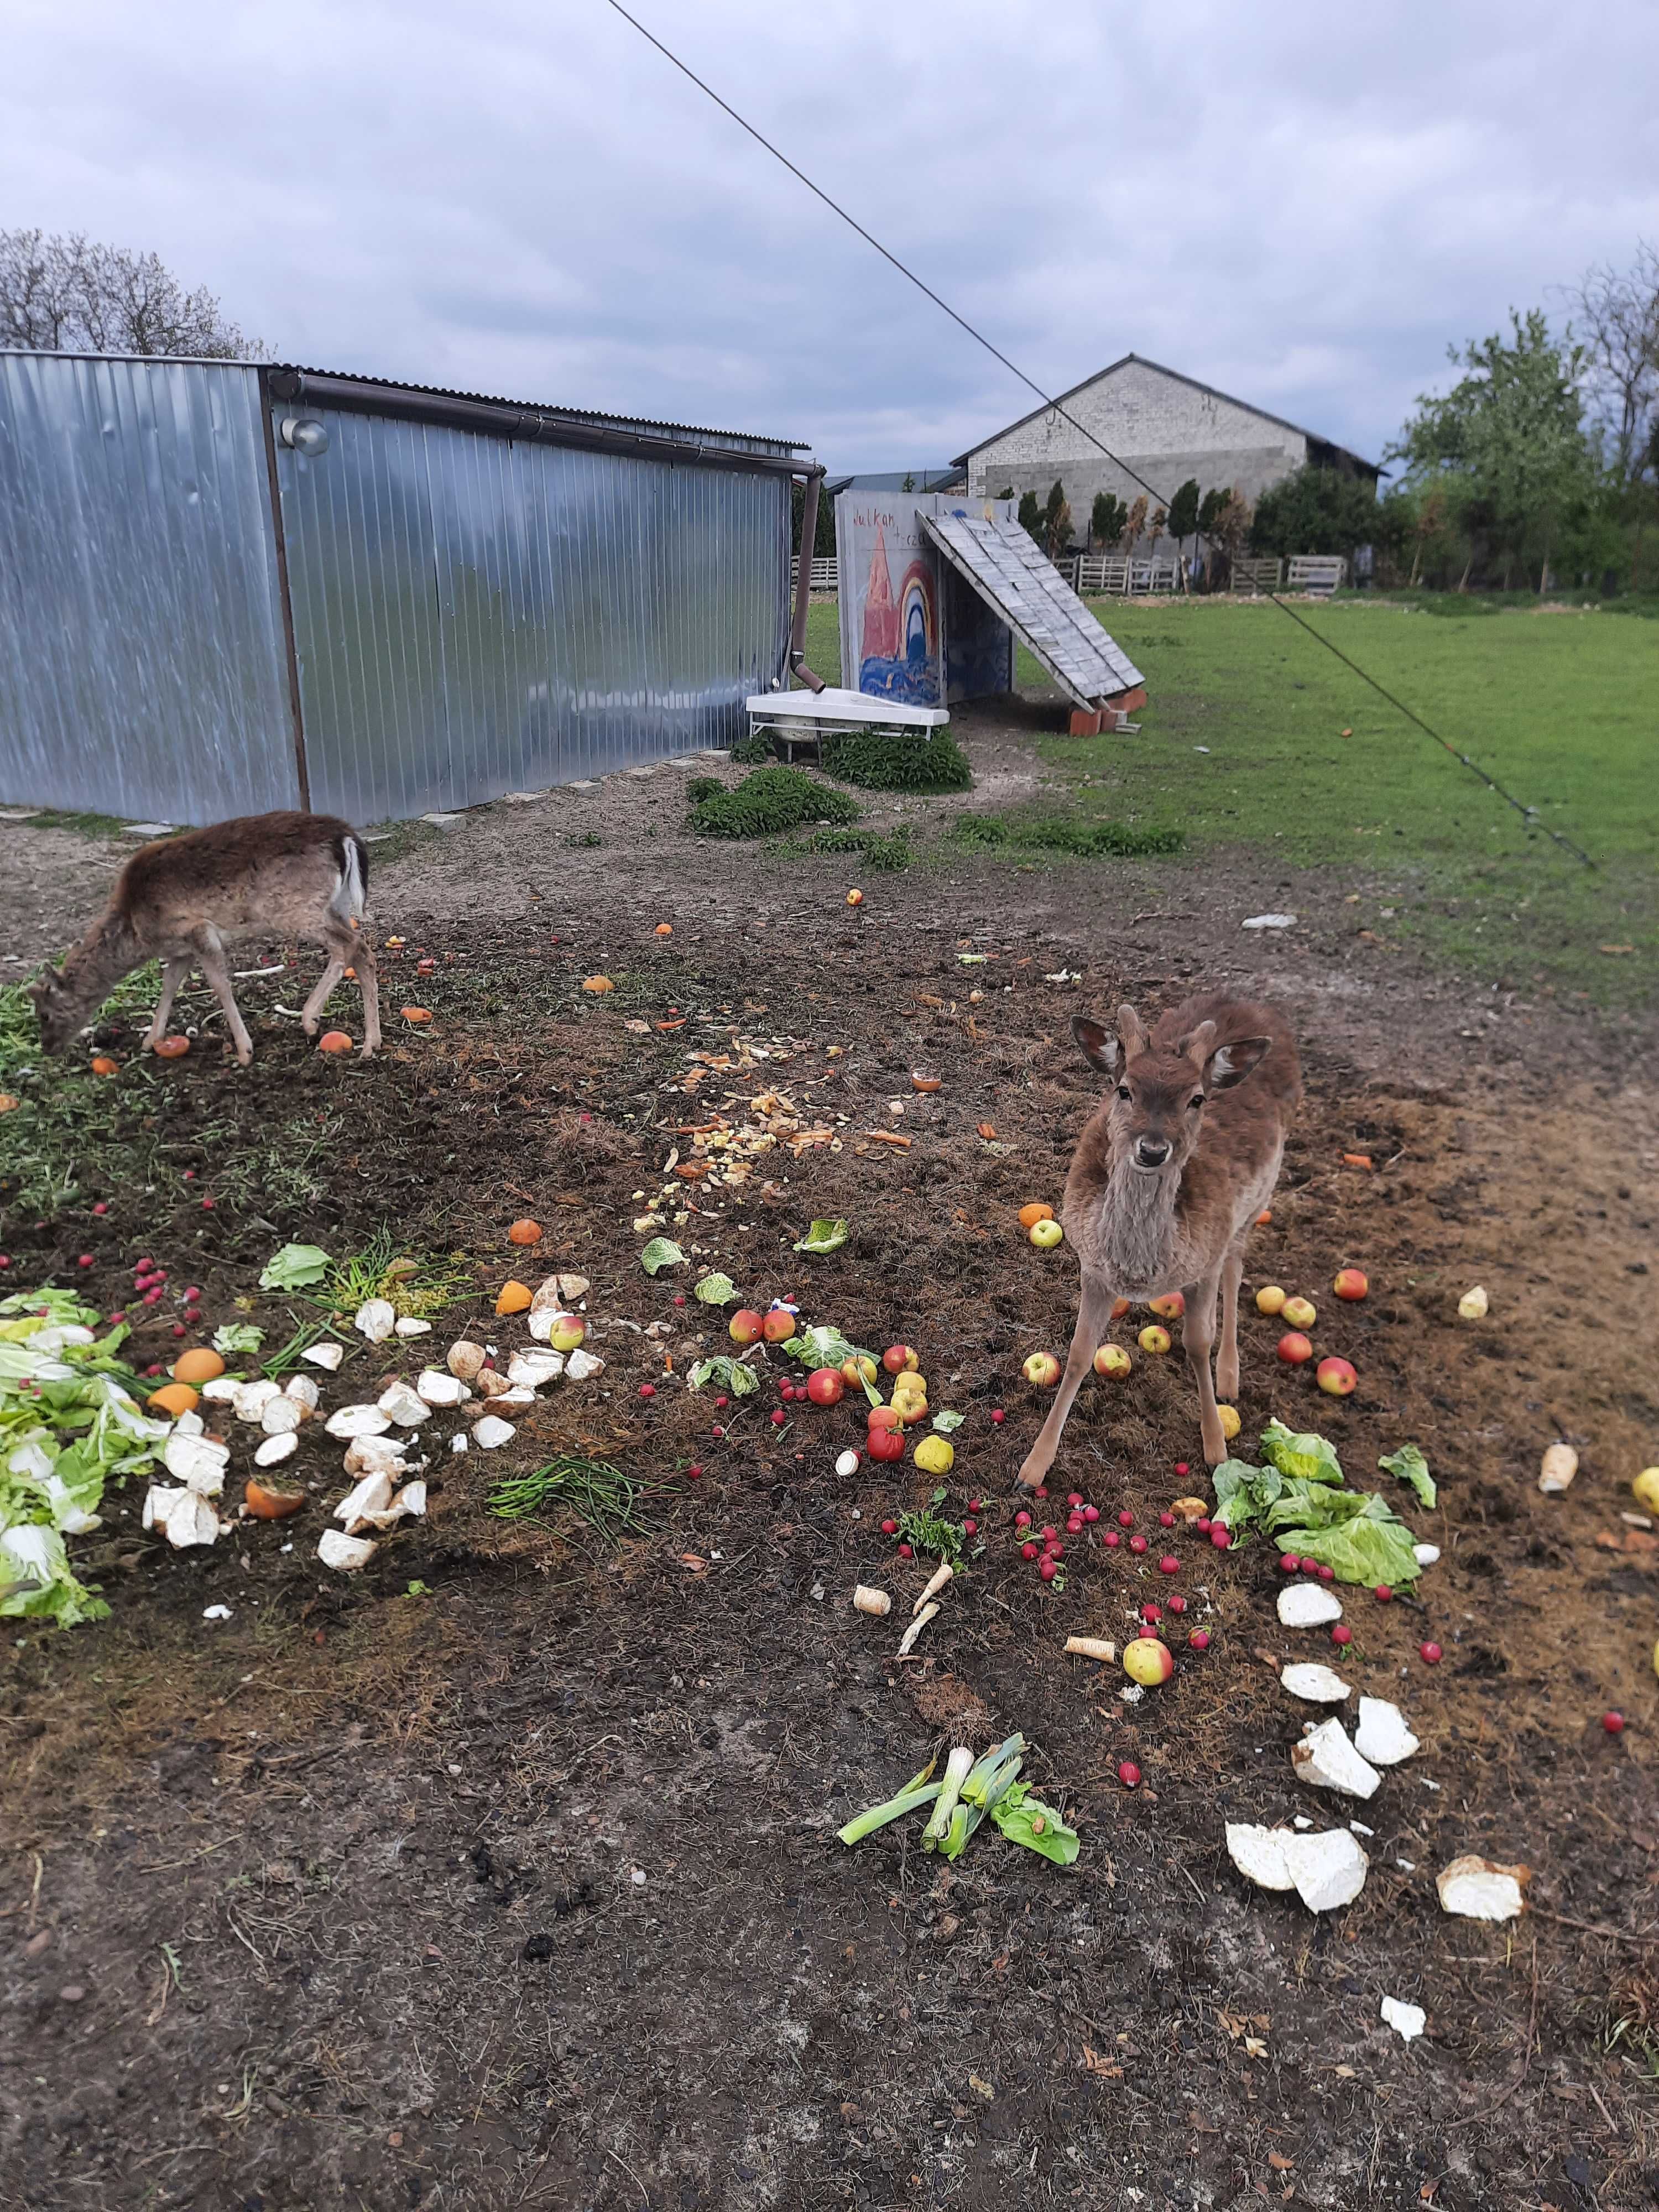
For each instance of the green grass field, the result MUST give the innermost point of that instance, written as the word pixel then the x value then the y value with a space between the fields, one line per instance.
pixel 1562 708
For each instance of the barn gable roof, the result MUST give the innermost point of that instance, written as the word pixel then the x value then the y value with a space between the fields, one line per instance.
pixel 1370 468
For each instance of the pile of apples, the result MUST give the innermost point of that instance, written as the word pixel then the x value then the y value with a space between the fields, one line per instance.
pixel 1336 1377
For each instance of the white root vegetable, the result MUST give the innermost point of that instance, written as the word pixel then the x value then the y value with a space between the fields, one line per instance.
pixel 348 1421
pixel 1092 1647
pixel 490 1382
pixel 581 1365
pixel 376 1319
pixel 435 1386
pixel 1556 1473
pixel 1308 1605
pixel 1326 1870
pixel 1405 2019
pixel 283 1416
pixel 221 1388
pixel 400 1403
pixel 372 1455
pixel 1320 1686
pixel 941 1575
pixel 1481 1889
pixel 407 1325
pixel 364 1502
pixel 866 1599
pixel 252 1398
pixel 304 1391
pixel 327 1355
pixel 907 1643
pixel 1383 1736
pixel 490 1434
pixel 464 1358
pixel 1325 1760
pixel 197 1462
pixel 531 1370
pixel 274 1449
pixel 336 1549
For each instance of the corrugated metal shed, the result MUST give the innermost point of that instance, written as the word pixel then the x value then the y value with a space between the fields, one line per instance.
pixel 430 598
pixel 1003 564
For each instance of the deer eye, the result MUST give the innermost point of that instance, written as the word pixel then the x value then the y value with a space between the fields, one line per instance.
pixel 1123 1090
pixel 1196 1102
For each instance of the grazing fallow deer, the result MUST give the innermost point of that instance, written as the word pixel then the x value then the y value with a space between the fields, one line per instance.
pixel 1168 1178
pixel 183 900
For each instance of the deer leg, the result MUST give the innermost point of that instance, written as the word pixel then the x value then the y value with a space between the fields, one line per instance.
pixel 1227 1359
pixel 330 975
pixel 1094 1311
pixel 368 983
pixel 174 973
pixel 211 953
pixel 1197 1337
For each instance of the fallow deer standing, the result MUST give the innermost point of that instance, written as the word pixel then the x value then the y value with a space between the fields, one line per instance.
pixel 1168 1178
pixel 183 900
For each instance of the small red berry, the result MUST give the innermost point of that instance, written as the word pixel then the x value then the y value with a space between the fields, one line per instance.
pixel 1151 1613
pixel 190 1174
pixel 1429 1654
pixel 1174 1602
pixel 680 1297
pixel 1342 1633
pixel 1200 1639
pixel 1181 1467
pixel 717 1432
pixel 1126 1519
pixel 1028 1551
pixel 1092 1514
pixel 1169 1565
pixel 693 1474
pixel 1055 1550
pixel 779 1417
pixel 1075 1525
pixel 115 1318
pixel 1022 1520
pixel 907 1550
pixel 721 1404
pixel 1290 1562
pixel 1048 1569
pixel 154 1368
pixel 647 1389
pixel 1311 1566
pixel 152 1298
pixel 1326 1574
pixel 976 1506
pixel 1129 1774
pixel 997 1414
pixel 970 1527
pixel 1203 1524
pixel 1382 1594
pixel 1074 1499
pixel 1166 1519
pixel 102 1206
pixel 178 1328
pixel 143 1266
pixel 192 1294
pixel 1613 1724
pixel 5 1259
pixel 1111 1540
pixel 889 1528
pixel 1220 1535
pixel 208 1204
pixel 88 1259
pixel 1136 1543
pixel 1041 1490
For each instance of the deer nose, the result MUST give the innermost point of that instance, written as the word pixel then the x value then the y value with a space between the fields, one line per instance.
pixel 1153 1151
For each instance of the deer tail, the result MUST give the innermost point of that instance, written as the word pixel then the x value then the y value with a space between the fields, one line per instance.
pixel 351 898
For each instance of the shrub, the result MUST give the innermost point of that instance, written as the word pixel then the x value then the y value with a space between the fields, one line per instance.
pixel 700 788
pixel 768 802
pixel 754 751
pixel 1058 833
pixel 910 761
pixel 877 851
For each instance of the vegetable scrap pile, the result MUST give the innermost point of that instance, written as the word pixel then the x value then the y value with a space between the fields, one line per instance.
pixel 1300 1499
pixel 69 1423
pixel 971 1791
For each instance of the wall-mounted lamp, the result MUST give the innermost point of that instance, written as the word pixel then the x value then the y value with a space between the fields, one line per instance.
pixel 306 434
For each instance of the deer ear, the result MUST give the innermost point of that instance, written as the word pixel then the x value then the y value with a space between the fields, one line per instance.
pixel 1231 1063
pixel 1195 1045
pixel 1129 1029
pixel 1096 1044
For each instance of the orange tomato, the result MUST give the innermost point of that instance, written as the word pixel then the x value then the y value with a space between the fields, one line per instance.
pixel 664 929
pixel 170 1048
pixel 104 1066
pixel 1031 1215
pixel 525 1232
pixel 417 1013
pixel 515 1297
pixel 334 1041
pixel 175 1398
pixel 271 1504
pixel 200 1365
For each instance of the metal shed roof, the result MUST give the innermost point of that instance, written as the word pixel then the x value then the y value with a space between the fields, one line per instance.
pixel 1001 560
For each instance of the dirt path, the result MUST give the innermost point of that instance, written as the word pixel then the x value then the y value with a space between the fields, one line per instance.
pixel 506 1874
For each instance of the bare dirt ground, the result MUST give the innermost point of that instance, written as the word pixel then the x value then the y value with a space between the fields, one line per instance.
pixel 523 1889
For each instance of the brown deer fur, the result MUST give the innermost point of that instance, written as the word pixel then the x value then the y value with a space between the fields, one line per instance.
pixel 1167 1179
pixel 183 900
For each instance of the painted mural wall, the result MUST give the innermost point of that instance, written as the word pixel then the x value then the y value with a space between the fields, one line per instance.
pixel 911 629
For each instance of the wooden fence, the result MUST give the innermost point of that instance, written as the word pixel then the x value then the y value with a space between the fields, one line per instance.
pixel 825 576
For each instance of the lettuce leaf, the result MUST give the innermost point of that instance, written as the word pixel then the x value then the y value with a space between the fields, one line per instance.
pixel 660 1252
pixel 1244 1493
pixel 730 1373
pixel 822 1344
pixel 296 1268
pixel 1409 1464
pixel 824 1237
pixel 715 1290
pixel 1307 1457
pixel 35 1581
pixel 237 1336
pixel 1017 1812
pixel 1366 1548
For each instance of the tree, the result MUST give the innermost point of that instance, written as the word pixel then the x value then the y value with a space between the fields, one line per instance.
pixel 1056 521
pixel 910 484
pixel 1615 320
pixel 1213 500
pixel 1134 524
pixel 1107 518
pixel 1315 511
pixel 1007 492
pixel 1030 514
pixel 1509 445
pixel 70 295
pixel 1183 512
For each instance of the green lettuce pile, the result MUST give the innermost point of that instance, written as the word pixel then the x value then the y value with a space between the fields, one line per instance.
pixel 1299 1499
pixel 69 1422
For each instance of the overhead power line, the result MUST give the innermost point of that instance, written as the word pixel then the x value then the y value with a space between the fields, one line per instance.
pixel 1528 814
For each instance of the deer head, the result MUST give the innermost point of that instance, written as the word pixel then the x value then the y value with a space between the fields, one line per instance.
pixel 1159 1107
pixel 62 1011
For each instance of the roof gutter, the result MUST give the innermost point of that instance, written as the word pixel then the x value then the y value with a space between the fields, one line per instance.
pixel 490 419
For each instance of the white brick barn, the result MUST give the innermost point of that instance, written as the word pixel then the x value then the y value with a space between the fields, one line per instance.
pixel 1168 427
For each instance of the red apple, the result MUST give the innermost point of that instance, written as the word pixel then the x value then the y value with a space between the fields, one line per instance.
pixel 1350 1284
pixel 885 1444
pixel 1335 1377
pixel 1270 1299
pixel 1042 1369
pixel 1153 1338
pixel 745 1326
pixel 1147 1660
pixel 779 1325
pixel 857 1372
pixel 900 1359
pixel 1169 1307
pixel 884 1417
pixel 1112 1359
pixel 825 1386
pixel 1294 1348
pixel 1120 1307
pixel 1300 1313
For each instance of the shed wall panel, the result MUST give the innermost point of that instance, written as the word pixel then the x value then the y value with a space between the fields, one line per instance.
pixel 475 616
pixel 142 660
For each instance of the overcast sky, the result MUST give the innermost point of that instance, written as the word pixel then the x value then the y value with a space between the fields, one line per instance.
pixel 1300 203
